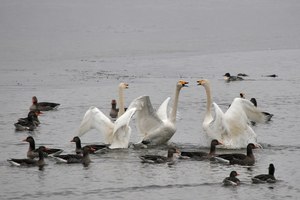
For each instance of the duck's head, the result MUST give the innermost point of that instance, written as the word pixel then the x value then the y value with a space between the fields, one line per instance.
pixel 75 139
pixel 233 174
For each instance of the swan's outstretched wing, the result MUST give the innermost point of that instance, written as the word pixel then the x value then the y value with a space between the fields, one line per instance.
pixel 95 119
pixel 122 131
pixel 147 119
pixel 245 106
pixel 162 111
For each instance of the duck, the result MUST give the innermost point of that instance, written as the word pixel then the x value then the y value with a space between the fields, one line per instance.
pixel 271 75
pixel 238 158
pixel 228 77
pixel 42 106
pixel 242 74
pixel 158 159
pixel 266 178
pixel 114 110
pixel 34 153
pixel 267 115
pixel 158 127
pixel 232 180
pixel 29 123
pixel 30 162
pixel 83 158
pixel 95 147
pixel 232 128
pixel 200 155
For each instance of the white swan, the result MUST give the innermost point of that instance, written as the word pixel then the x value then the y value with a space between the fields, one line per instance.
pixel 232 127
pixel 117 133
pixel 157 127
pixel 122 86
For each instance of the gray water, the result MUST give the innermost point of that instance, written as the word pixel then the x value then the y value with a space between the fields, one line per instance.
pixel 77 52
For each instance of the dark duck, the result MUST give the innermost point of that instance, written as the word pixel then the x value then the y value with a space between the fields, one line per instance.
pixel 160 159
pixel 229 78
pixel 34 153
pixel 266 178
pixel 42 106
pixel 114 110
pixel 200 155
pixel 232 180
pixel 29 123
pixel 94 148
pixel 238 158
pixel 83 158
pixel 30 162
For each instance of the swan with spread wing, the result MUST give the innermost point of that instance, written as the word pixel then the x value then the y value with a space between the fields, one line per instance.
pixel 232 127
pixel 117 133
pixel 157 127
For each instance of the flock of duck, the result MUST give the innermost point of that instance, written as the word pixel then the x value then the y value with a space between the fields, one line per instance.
pixel 230 129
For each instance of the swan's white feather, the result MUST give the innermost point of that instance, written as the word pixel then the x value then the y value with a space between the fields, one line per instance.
pixel 95 119
pixel 232 127
pixel 162 111
pixel 147 119
pixel 122 131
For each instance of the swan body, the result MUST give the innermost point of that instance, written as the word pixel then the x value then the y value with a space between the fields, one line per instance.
pixel 232 127
pixel 157 127
pixel 117 133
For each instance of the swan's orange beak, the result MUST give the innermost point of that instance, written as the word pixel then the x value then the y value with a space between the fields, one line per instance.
pixel 201 82
pixel 184 83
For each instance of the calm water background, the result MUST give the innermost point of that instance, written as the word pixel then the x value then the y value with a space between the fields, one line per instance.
pixel 76 53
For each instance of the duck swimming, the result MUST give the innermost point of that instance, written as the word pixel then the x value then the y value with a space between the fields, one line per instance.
pixel 238 158
pixel 30 162
pixel 29 123
pixel 232 180
pixel 156 159
pixel 228 77
pixel 200 155
pixel 95 147
pixel 34 153
pixel 75 158
pixel 42 106
pixel 266 178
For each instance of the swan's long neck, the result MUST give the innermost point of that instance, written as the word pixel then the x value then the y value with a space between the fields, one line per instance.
pixel 209 101
pixel 175 105
pixel 121 102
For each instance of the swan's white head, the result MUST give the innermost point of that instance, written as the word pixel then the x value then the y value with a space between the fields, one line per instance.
pixel 242 95
pixel 203 82
pixel 123 85
pixel 182 84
